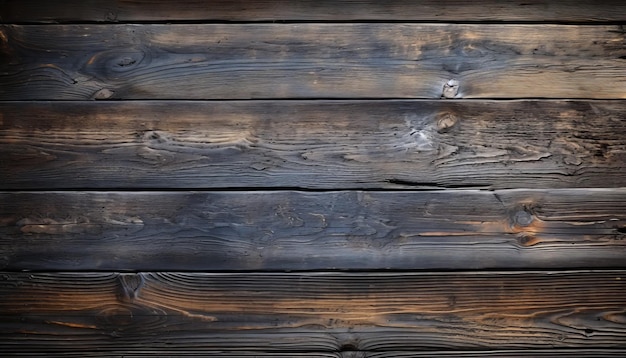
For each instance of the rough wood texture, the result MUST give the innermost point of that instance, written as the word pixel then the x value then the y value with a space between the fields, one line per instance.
pixel 578 353
pixel 242 61
pixel 313 144
pixel 312 311
pixel 305 231
pixel 342 10
pixel 175 353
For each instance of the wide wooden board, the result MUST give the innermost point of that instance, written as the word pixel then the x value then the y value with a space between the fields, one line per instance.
pixel 308 10
pixel 352 230
pixel 312 144
pixel 320 312
pixel 371 60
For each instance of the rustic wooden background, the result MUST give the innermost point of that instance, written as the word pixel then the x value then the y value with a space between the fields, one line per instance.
pixel 331 179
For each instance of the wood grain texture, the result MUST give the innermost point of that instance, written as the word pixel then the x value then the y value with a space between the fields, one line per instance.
pixel 312 144
pixel 203 353
pixel 323 312
pixel 578 353
pixel 307 10
pixel 186 231
pixel 243 61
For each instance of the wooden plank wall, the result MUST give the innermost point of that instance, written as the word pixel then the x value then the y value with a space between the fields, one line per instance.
pixel 336 179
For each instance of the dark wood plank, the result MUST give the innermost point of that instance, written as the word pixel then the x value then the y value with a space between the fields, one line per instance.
pixel 578 353
pixel 202 353
pixel 313 144
pixel 306 231
pixel 229 10
pixel 243 61
pixel 312 311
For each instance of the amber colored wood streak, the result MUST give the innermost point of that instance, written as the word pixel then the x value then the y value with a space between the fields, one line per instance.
pixel 312 144
pixel 282 230
pixel 312 311
pixel 243 61
pixel 342 10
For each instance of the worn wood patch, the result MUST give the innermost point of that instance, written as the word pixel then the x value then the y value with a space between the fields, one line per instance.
pixel 267 10
pixel 314 311
pixel 243 61
pixel 313 144
pixel 307 231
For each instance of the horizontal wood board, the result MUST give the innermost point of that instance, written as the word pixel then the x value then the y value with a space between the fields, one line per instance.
pixel 371 60
pixel 257 230
pixel 312 144
pixel 311 10
pixel 202 353
pixel 312 311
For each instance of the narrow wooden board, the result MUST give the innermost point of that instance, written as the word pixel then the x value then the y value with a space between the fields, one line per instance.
pixel 186 231
pixel 335 10
pixel 203 353
pixel 312 144
pixel 371 60
pixel 578 353
pixel 312 311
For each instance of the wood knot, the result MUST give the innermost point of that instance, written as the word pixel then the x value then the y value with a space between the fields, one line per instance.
pixel 110 16
pixel 351 354
pixel 130 285
pixel 527 240
pixel 104 93
pixel 450 89
pixel 445 122
pixel 522 218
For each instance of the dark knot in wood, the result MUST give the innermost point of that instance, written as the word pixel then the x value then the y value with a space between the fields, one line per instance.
pixel 130 285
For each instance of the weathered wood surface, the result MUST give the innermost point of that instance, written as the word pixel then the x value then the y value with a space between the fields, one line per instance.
pixel 312 144
pixel 578 353
pixel 312 311
pixel 185 231
pixel 311 10
pixel 201 353
pixel 243 61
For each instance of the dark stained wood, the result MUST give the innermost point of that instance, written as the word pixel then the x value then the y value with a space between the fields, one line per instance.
pixel 163 353
pixel 186 231
pixel 313 144
pixel 229 10
pixel 578 353
pixel 243 61
pixel 202 353
pixel 312 311
pixel 168 353
pixel 229 227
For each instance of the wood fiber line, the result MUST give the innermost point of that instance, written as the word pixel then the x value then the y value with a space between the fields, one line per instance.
pixel 244 61
pixel 282 230
pixel 312 311
pixel 312 144
pixel 307 10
